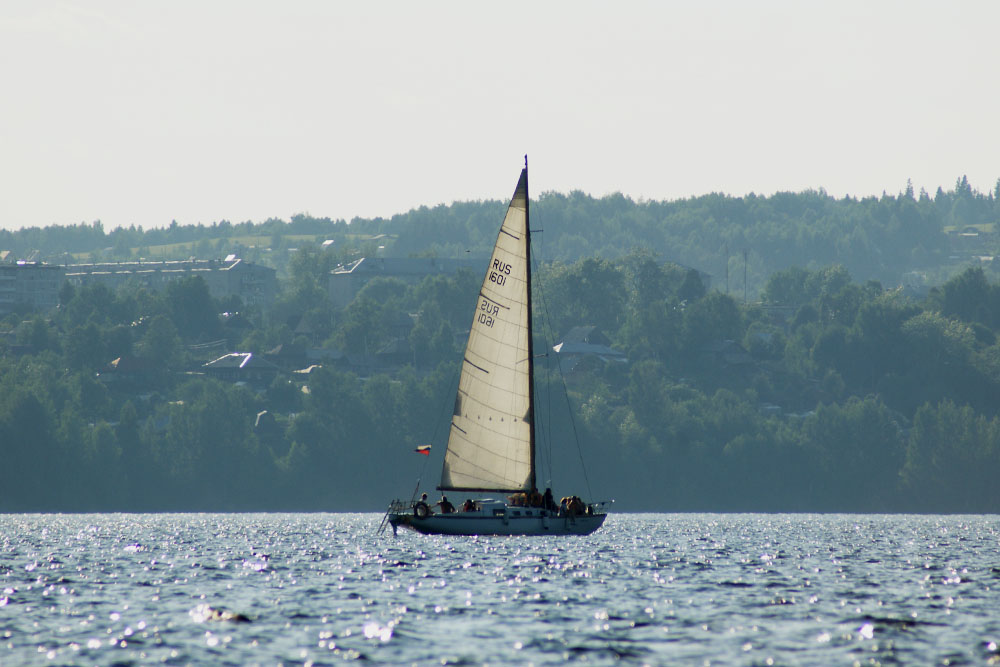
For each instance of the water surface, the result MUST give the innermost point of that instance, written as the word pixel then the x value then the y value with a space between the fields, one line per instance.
pixel 647 588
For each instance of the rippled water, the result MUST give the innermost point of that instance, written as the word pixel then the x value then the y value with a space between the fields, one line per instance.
pixel 648 588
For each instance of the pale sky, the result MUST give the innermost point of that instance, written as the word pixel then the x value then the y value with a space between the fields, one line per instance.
pixel 141 112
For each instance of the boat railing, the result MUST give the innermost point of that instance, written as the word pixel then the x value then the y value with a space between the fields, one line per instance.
pixel 599 507
pixel 395 507
pixel 400 506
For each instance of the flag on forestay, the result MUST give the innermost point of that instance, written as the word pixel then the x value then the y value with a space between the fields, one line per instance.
pixel 423 449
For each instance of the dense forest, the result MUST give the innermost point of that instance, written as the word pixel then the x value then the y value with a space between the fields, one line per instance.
pixel 830 388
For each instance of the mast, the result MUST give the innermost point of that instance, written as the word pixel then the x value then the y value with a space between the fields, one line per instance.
pixel 531 355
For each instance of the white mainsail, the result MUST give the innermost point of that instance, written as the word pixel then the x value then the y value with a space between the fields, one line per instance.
pixel 490 447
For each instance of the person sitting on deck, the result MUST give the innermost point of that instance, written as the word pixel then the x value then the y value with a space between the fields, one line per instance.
pixel 446 507
pixel 469 506
pixel 548 501
pixel 534 498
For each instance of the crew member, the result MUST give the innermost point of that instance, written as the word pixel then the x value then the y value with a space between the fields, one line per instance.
pixel 446 507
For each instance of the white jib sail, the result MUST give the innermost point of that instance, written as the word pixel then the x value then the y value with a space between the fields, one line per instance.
pixel 489 447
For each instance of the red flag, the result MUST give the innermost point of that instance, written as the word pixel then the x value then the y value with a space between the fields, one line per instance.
pixel 423 449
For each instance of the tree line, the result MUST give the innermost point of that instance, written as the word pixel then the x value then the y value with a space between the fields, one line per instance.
pixel 874 238
pixel 826 395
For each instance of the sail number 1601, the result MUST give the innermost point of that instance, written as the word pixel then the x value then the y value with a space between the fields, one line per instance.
pixel 487 312
pixel 499 272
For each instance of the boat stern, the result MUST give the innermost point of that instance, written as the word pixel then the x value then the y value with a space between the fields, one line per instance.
pixel 400 513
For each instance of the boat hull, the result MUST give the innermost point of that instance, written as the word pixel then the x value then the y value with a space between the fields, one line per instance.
pixel 467 524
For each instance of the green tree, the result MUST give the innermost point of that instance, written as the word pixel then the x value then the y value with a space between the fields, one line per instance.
pixel 161 345
pixel 952 460
pixel 32 467
pixel 693 288
pixel 787 287
pixel 192 309
pixel 84 349
pixel 967 296
pixel 714 318
pixel 141 479
pixel 39 335
pixel 104 471
pixel 92 302
pixel 862 453
pixel 590 292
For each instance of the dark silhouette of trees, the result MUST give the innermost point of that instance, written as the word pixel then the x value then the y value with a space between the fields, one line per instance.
pixel 835 391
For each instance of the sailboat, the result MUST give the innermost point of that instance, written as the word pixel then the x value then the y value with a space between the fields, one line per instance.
pixel 491 444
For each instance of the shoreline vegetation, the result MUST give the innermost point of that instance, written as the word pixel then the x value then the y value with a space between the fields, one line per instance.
pixel 823 355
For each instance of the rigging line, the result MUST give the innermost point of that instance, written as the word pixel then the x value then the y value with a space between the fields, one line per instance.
pixel 569 407
pixel 546 434
pixel 576 436
pixel 437 427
